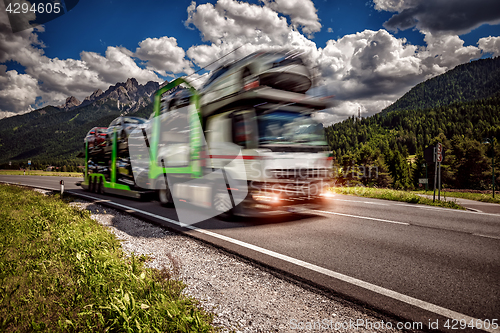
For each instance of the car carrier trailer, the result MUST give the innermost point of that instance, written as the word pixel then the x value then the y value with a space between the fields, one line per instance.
pixel 219 157
pixel 102 171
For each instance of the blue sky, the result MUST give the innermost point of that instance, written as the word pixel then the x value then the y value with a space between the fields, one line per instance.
pixel 367 53
pixel 126 23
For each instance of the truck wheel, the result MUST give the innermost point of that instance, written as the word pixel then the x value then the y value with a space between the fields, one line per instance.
pixel 164 194
pixel 100 186
pixel 95 188
pixel 222 204
pixel 91 184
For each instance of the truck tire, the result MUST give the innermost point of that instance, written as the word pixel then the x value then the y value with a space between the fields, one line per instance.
pixel 100 186
pixel 222 204
pixel 91 184
pixel 95 187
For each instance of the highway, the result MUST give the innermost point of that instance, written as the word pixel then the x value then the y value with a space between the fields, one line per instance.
pixel 411 261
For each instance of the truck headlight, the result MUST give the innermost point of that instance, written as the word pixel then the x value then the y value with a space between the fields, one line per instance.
pixel 327 194
pixel 273 198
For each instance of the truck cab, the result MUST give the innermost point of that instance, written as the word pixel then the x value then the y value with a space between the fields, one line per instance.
pixel 259 152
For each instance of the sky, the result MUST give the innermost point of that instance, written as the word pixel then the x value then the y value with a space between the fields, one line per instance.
pixel 365 53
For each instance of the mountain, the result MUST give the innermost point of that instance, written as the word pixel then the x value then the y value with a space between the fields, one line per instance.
pixel 467 82
pixel 56 133
pixel 130 96
pixel 71 103
pixel 93 97
pixel 464 108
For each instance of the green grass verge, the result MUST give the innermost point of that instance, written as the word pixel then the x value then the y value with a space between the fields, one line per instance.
pixel 394 195
pixel 467 195
pixel 42 173
pixel 62 271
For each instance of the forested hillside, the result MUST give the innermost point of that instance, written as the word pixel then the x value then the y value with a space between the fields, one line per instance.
pixel 467 82
pixel 393 140
pixel 51 135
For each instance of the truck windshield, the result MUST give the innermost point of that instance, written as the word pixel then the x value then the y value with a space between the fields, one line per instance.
pixel 285 127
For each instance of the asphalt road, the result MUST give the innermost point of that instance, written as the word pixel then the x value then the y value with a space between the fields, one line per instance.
pixel 415 262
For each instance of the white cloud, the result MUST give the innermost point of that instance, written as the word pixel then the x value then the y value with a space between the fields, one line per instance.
pixel 370 69
pixel 17 91
pixel 302 13
pixel 116 66
pixel 231 25
pixel 490 45
pixel 444 52
pixel 238 21
pixel 369 63
pixel 56 79
pixel 394 5
pixel 163 55
pixel 53 79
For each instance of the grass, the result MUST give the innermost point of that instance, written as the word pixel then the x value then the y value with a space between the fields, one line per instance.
pixel 42 173
pixel 466 195
pixel 394 195
pixel 61 271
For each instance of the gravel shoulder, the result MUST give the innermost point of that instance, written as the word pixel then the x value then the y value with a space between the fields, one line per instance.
pixel 244 296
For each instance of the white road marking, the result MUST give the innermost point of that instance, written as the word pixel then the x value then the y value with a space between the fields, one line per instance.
pixel 487 236
pixel 394 203
pixel 422 206
pixel 375 203
pixel 362 217
pixel 339 276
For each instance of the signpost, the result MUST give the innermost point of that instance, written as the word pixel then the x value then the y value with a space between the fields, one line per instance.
pixel 492 141
pixel 29 165
pixel 435 174
pixel 427 179
pixel 437 158
pixel 439 151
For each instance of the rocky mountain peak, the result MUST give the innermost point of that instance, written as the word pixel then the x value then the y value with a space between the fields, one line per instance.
pixel 131 83
pixel 96 94
pixel 130 94
pixel 70 103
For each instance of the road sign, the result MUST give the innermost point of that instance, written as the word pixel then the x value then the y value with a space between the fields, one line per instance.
pixel 423 180
pixel 429 154
pixel 29 162
pixel 439 152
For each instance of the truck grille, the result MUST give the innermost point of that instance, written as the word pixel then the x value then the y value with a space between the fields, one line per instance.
pixel 289 190
pixel 318 173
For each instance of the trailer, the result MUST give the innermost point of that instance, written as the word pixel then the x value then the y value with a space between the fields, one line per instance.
pixel 104 173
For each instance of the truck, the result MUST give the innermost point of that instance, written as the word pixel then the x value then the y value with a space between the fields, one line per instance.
pixel 254 153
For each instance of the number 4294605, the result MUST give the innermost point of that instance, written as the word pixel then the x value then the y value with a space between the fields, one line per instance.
pixel 49 8
pixel 455 324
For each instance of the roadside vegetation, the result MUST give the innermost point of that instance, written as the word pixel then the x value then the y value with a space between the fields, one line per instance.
pixel 466 195
pixel 395 195
pixel 62 271
pixel 41 173
pixel 460 109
